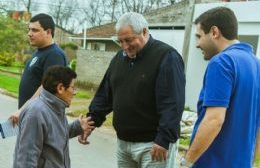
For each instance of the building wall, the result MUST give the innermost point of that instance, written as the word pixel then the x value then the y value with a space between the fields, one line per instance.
pixel 174 38
pixel 112 47
pixel 62 37
pixel 92 65
pixel 173 15
pixel 108 45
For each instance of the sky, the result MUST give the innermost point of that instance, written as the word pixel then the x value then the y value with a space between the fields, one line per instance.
pixel 42 5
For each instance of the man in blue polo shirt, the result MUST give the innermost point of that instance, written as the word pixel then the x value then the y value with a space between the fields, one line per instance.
pixel 41 32
pixel 225 133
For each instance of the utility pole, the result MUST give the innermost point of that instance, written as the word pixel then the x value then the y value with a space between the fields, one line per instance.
pixel 187 35
pixel 85 36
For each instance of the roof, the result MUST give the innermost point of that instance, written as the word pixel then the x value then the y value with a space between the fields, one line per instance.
pixel 173 15
pixel 64 30
pixel 103 31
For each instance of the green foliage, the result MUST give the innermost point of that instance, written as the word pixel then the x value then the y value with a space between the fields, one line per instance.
pixel 11 69
pixel 9 83
pixel 72 46
pixel 12 39
pixel 6 58
pixel 187 109
pixel 185 142
pixel 257 161
pixel 18 65
pixel 84 94
pixel 73 64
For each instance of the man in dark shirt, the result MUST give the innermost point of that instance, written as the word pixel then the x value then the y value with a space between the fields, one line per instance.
pixel 41 33
pixel 144 86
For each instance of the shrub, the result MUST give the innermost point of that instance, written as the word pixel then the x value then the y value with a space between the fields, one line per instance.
pixel 73 46
pixel 6 59
pixel 73 64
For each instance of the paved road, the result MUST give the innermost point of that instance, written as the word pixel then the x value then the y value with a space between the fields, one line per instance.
pixel 99 154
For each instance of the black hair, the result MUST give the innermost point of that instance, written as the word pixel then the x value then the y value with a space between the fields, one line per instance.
pixel 55 75
pixel 221 17
pixel 45 21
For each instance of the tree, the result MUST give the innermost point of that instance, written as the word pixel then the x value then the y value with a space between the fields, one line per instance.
pixel 172 2
pixel 12 39
pixel 5 6
pixel 102 11
pixel 68 14
pixel 95 13
pixel 64 12
pixel 29 5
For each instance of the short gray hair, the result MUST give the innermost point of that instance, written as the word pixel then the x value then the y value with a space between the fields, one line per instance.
pixel 133 19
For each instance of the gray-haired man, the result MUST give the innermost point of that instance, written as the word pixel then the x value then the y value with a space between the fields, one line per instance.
pixel 144 86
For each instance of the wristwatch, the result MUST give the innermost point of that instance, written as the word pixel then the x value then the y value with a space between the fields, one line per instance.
pixel 185 163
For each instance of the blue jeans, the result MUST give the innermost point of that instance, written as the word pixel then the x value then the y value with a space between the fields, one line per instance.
pixel 137 155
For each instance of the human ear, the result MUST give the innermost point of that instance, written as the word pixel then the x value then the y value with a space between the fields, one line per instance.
pixel 215 32
pixel 145 31
pixel 60 88
pixel 48 31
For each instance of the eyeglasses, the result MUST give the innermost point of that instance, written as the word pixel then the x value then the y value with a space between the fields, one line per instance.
pixel 127 40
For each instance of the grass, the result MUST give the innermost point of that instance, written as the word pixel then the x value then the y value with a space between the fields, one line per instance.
pixel 86 85
pixel 257 161
pixel 109 120
pixel 14 69
pixel 185 142
pixel 84 94
pixel 9 83
pixel 76 113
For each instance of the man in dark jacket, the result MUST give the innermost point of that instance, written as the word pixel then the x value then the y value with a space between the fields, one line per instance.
pixel 40 34
pixel 144 86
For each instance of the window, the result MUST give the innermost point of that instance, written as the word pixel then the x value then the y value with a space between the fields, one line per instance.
pixel 98 46
pixel 252 39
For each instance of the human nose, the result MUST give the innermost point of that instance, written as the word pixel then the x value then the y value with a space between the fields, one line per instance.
pixel 29 33
pixel 197 44
pixel 124 45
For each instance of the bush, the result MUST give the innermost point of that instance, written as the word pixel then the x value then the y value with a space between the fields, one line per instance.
pixel 6 59
pixel 73 64
pixel 73 46
pixel 13 39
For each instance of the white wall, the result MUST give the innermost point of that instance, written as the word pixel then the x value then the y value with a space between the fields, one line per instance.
pixel 249 24
pixel 172 37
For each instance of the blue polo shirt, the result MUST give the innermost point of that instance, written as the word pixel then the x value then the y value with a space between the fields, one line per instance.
pixel 232 80
pixel 35 68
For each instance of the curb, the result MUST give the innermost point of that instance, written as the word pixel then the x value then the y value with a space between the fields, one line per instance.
pixel 5 92
pixel 10 72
